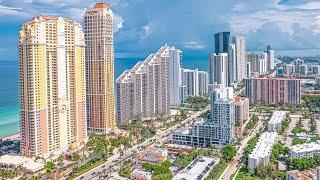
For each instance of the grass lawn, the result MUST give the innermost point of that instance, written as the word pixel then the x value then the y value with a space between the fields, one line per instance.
pixel 217 170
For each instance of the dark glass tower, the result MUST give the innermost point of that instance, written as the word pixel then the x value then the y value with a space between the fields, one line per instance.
pixel 221 42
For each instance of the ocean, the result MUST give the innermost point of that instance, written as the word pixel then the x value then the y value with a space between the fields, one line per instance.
pixel 9 88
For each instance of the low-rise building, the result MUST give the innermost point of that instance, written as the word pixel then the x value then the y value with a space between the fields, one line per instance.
pixel 32 167
pixel 304 150
pixel 274 125
pixel 312 174
pixel 262 151
pixel 151 155
pixel 138 174
pixel 198 169
pixel 9 161
pixel 175 149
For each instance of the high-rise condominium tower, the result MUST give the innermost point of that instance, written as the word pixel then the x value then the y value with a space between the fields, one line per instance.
pixel 240 46
pixel 100 69
pixel 273 90
pixel 218 69
pixel 144 89
pixel 232 66
pixel 175 76
pixel 221 42
pixel 52 85
pixel 270 62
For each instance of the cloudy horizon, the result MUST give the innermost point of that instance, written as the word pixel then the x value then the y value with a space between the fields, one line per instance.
pixel 141 26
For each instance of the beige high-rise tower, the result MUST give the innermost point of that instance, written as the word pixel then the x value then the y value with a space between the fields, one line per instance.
pixel 52 86
pixel 100 69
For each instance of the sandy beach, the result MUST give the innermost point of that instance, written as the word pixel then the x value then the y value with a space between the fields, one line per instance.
pixel 11 137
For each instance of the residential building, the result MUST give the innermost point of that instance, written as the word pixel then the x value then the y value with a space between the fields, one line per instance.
pixel 203 83
pixel 138 174
pixel 297 63
pixel 218 130
pixel 144 89
pixel 52 85
pixel 303 69
pixel 258 62
pixel 175 76
pixel 274 124
pixel 289 69
pixel 262 151
pixel 248 70
pixel 240 45
pixel 9 161
pixel 270 58
pixel 195 81
pixel 218 69
pixel 151 155
pixel 317 80
pixel 221 42
pixel 241 109
pixel 198 169
pixel 98 23
pixel 315 69
pixel 273 90
pixel 311 174
pixel 232 64
pixel 304 150
pixel 183 94
pixel 190 79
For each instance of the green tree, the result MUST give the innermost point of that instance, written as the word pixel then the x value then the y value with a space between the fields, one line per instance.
pixel 228 152
pixel 49 166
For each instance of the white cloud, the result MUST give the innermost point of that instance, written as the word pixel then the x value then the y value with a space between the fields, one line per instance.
pixel 117 22
pixel 193 45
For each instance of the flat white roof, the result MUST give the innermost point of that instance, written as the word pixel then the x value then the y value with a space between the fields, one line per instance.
pixel 307 147
pixel 196 168
pixel 33 166
pixel 277 117
pixel 264 145
pixel 14 159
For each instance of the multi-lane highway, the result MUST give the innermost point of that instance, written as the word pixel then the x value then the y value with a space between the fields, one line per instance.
pixel 116 159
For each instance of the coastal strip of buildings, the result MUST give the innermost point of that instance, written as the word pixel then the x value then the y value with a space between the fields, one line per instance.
pixel 144 90
pixel 66 81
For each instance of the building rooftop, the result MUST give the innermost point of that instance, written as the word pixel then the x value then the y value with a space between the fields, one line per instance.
pixel 197 169
pixel 304 175
pixel 277 117
pixel 33 166
pixel 15 160
pixel 264 145
pixel 305 147
pixel 101 6
pixel 141 174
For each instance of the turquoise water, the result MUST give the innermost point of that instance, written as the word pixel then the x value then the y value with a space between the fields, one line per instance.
pixel 9 89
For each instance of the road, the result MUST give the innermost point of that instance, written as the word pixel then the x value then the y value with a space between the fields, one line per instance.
pixel 116 159
pixel 232 168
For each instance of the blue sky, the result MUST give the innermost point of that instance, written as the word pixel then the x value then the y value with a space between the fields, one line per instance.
pixel 143 25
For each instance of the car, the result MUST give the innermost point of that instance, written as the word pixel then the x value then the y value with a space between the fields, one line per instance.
pixel 82 177
pixel 93 173
pixel 103 166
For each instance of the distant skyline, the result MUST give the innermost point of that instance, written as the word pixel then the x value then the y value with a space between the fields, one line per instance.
pixel 141 26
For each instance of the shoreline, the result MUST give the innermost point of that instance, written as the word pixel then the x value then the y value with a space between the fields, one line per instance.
pixel 11 137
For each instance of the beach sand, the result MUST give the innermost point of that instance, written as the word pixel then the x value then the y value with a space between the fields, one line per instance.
pixel 11 137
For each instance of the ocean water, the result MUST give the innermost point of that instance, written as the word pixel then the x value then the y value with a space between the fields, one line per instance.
pixel 9 87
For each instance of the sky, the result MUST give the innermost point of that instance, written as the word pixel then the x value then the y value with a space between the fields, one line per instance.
pixel 142 26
